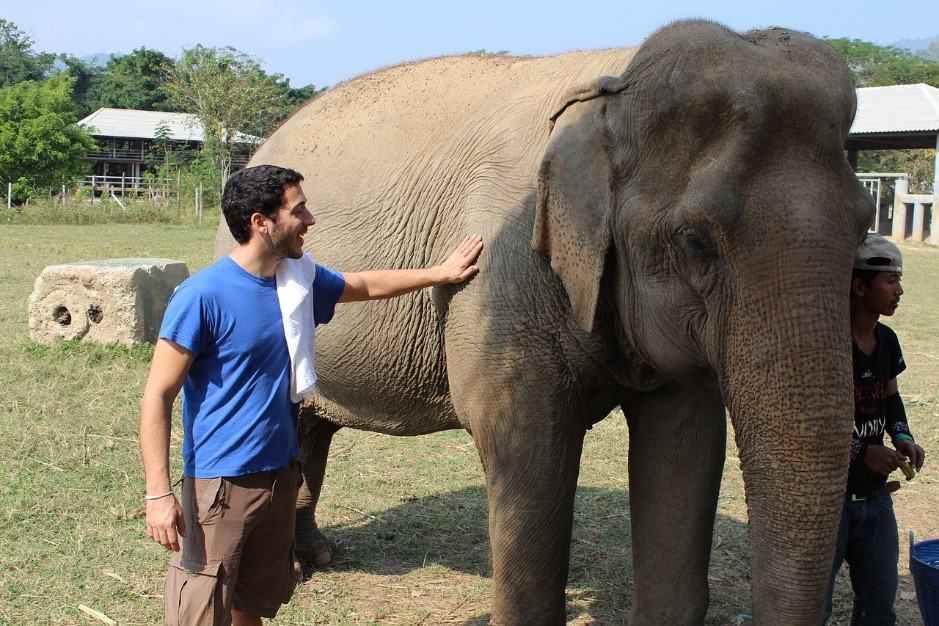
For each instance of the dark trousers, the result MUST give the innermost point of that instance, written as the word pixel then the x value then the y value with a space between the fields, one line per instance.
pixel 867 540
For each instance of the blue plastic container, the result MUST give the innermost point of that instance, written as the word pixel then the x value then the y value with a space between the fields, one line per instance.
pixel 924 566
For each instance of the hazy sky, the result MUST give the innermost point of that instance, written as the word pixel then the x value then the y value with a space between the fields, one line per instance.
pixel 326 42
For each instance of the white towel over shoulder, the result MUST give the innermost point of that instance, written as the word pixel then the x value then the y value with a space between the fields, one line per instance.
pixel 295 294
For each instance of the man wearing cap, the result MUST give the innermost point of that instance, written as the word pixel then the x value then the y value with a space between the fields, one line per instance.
pixel 867 535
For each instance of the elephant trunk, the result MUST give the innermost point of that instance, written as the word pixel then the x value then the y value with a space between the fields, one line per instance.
pixel 790 397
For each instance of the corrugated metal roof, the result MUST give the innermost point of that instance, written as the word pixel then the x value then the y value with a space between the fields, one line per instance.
pixel 134 124
pixel 896 109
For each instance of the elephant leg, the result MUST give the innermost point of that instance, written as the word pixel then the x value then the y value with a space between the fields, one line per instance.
pixel 676 457
pixel 312 547
pixel 531 476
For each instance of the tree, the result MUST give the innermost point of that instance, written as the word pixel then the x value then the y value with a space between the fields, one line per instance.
pixel 41 147
pixel 227 90
pixel 878 66
pixel 289 100
pixel 86 77
pixel 133 81
pixel 18 62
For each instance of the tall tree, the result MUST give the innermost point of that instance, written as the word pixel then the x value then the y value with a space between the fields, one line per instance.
pixel 41 147
pixel 229 92
pixel 86 77
pixel 18 61
pixel 133 81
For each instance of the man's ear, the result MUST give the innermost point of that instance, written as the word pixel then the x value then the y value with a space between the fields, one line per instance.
pixel 258 221
pixel 858 287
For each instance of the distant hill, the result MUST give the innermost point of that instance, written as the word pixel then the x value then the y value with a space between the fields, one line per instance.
pixel 927 47
pixel 99 58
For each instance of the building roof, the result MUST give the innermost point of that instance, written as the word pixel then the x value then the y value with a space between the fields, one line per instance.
pixel 134 124
pixel 896 109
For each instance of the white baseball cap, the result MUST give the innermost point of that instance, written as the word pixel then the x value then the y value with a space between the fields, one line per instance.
pixel 878 253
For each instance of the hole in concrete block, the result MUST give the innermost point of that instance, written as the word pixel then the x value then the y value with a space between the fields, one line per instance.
pixel 94 313
pixel 61 315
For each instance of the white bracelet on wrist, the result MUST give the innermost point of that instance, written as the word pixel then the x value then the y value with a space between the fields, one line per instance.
pixel 162 495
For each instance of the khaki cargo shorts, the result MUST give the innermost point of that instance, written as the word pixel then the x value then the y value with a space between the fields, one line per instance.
pixel 238 548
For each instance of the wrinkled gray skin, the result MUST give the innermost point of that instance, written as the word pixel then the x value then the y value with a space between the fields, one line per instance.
pixel 668 230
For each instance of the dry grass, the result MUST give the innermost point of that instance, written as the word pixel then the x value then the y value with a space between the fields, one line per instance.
pixel 407 515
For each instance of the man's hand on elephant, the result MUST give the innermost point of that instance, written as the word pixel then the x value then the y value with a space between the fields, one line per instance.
pixel 913 452
pixel 165 522
pixel 882 459
pixel 460 265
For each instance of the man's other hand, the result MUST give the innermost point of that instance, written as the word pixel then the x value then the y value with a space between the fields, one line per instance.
pixel 882 459
pixel 165 522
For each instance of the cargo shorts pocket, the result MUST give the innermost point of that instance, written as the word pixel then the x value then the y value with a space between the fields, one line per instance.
pixel 194 596
pixel 210 498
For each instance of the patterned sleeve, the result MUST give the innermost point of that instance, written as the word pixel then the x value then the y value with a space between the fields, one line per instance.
pixel 897 364
pixel 857 448
pixel 896 424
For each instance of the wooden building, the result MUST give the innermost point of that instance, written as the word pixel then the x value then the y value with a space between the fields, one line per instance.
pixel 127 145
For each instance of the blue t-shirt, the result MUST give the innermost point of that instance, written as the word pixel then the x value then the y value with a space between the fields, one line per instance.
pixel 237 414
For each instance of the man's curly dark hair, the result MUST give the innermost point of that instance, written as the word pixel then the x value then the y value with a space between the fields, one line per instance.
pixel 258 189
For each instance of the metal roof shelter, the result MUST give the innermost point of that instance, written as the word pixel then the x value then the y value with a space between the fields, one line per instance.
pixel 134 124
pixel 900 117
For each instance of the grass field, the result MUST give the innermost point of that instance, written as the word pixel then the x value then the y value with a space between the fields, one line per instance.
pixel 407 515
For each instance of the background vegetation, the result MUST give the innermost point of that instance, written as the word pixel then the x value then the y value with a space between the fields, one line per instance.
pixel 43 95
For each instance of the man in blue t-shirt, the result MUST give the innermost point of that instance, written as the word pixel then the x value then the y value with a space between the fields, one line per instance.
pixel 222 342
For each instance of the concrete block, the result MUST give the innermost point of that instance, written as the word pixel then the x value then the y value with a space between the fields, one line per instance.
pixel 112 300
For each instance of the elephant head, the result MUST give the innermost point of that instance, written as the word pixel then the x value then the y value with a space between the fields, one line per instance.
pixel 701 206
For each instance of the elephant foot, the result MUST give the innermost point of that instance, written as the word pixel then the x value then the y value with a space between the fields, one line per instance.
pixel 313 551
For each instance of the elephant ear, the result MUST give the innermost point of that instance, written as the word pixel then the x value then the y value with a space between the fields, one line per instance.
pixel 575 198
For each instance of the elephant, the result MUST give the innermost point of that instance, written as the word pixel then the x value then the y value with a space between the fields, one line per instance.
pixel 668 229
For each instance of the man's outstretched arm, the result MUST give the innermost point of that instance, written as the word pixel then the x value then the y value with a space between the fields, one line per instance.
pixel 378 284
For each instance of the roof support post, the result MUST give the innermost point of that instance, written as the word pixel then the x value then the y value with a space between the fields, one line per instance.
pixel 919 210
pixel 935 175
pixel 898 226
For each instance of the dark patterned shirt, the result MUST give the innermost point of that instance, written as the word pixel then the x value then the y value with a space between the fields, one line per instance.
pixel 871 375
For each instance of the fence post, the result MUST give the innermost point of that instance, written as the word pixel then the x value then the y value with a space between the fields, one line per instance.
pixel 122 186
pixel 178 199
pixel 9 195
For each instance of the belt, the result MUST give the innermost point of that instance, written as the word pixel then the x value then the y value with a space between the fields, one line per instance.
pixel 885 490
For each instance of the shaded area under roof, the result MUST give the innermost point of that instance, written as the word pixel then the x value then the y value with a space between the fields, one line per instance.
pixel 895 117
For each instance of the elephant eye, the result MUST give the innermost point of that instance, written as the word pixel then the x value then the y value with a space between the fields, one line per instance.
pixel 694 241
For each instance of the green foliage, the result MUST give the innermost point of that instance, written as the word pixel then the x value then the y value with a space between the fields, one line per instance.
pixel 41 147
pixel 878 66
pixel 227 89
pixel 18 62
pixel 230 93
pixel 86 78
pixel 133 81
pixel 918 164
